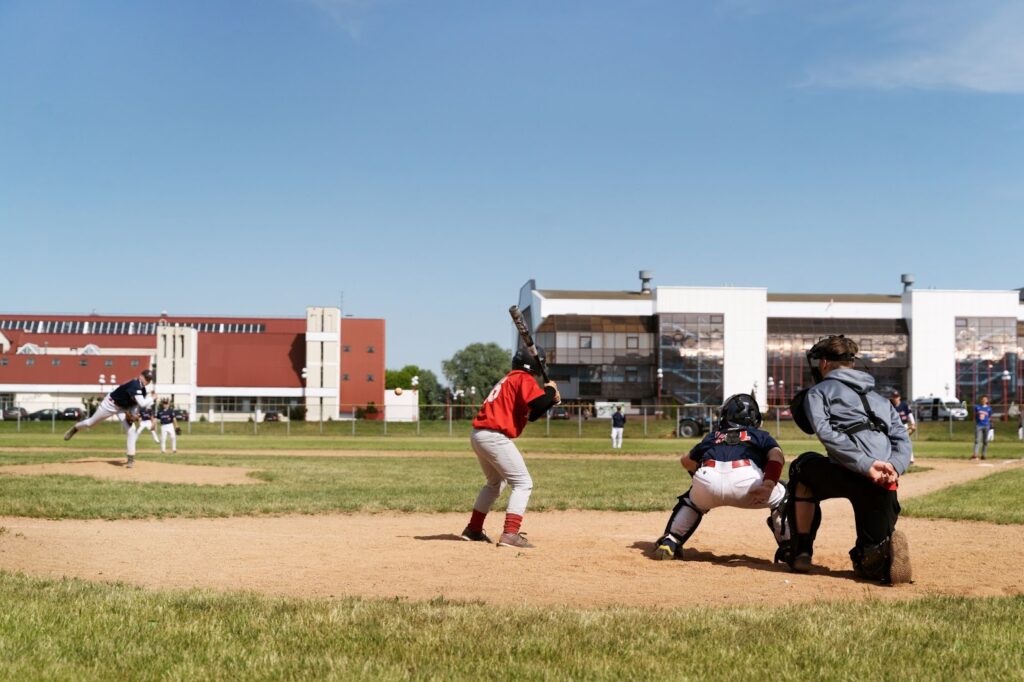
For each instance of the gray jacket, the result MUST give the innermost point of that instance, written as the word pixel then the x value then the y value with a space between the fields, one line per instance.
pixel 833 406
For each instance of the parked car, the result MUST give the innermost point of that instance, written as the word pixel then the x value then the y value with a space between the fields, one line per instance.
pixel 73 413
pixel 938 409
pixel 558 412
pixel 271 416
pixel 15 413
pixel 46 415
pixel 181 415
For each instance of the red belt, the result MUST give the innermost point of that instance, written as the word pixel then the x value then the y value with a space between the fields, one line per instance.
pixel 736 463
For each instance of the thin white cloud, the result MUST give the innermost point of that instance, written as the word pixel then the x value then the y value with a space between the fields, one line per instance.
pixel 978 46
pixel 350 15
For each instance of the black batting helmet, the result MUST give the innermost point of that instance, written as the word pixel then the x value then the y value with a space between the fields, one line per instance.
pixel 524 360
pixel 740 411
pixel 147 374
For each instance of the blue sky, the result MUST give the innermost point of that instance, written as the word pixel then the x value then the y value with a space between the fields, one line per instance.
pixel 424 159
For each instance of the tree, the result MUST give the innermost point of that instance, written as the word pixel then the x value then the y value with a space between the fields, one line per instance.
pixel 429 387
pixel 478 365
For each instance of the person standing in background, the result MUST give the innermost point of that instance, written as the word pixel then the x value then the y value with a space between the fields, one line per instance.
pixel 982 424
pixel 618 426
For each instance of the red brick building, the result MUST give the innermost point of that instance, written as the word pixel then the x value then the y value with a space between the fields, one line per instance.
pixel 210 365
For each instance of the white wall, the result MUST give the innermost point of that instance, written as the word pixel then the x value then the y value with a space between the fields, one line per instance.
pixel 827 309
pixel 933 332
pixel 745 312
pixel 402 408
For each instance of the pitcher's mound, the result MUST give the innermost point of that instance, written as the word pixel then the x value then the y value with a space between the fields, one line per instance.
pixel 145 471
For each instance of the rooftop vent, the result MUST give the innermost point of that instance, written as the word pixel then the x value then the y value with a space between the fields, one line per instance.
pixel 645 281
pixel 908 281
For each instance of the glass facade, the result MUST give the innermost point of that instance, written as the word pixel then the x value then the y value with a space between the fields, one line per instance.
pixel 692 348
pixel 987 350
pixel 595 357
pixel 883 352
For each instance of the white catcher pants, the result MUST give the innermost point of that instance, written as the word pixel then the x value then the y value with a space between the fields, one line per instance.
pixel 722 485
pixel 502 464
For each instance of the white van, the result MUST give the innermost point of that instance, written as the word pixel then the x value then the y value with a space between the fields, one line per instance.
pixel 938 409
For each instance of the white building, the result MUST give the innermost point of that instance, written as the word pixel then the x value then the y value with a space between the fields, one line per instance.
pixel 701 344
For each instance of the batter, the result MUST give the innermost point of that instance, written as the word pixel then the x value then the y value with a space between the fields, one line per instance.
pixel 513 401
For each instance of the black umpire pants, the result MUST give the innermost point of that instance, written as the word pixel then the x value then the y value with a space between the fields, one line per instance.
pixel 875 509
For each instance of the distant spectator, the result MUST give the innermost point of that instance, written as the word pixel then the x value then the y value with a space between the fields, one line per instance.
pixel 618 426
pixel 982 424
pixel 906 416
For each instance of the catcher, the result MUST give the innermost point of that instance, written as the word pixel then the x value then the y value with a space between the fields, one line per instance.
pixel 738 465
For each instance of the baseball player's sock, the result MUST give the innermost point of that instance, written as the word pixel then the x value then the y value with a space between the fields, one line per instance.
pixel 476 521
pixel 513 523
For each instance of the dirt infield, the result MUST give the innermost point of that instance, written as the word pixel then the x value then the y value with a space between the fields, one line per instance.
pixel 144 471
pixel 581 559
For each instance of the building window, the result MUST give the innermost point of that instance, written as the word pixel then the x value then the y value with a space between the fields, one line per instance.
pixel 83 363
pixel 135 363
pixel 29 362
pixel 986 359
pixel 369 349
pixel 344 377
pixel 3 362
pixel 346 349
pixel 585 342
pixel 633 342
pixel 55 362
pixel 108 363
pixel 369 377
pixel 692 349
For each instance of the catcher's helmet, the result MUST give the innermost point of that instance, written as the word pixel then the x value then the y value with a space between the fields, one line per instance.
pixel 523 360
pixel 147 374
pixel 740 411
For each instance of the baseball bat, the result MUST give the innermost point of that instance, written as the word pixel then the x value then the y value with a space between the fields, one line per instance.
pixel 524 334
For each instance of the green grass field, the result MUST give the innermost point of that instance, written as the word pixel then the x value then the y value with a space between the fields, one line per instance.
pixel 74 630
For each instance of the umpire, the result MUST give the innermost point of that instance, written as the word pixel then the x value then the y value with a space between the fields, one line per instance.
pixel 868 449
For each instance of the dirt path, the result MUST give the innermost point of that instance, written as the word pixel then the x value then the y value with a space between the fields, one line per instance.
pixel 581 559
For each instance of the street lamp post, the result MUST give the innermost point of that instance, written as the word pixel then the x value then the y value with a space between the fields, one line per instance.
pixel 1006 400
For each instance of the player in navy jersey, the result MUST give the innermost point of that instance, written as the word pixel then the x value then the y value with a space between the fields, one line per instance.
pixel 738 465
pixel 168 426
pixel 125 400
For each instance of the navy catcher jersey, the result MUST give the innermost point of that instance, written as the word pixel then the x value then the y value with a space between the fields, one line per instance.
pixel 145 413
pixel 165 416
pixel 729 446
pixel 124 395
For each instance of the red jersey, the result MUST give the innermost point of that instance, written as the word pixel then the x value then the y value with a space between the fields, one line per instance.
pixel 507 407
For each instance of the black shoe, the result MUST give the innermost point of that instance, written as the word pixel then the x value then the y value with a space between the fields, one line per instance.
pixel 471 535
pixel 70 433
pixel 802 563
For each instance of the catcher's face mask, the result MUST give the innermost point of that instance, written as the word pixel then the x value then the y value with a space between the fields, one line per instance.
pixel 820 351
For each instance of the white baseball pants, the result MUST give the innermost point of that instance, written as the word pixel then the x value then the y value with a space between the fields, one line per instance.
pixel 722 485
pixel 502 464
pixel 165 431
pixel 617 436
